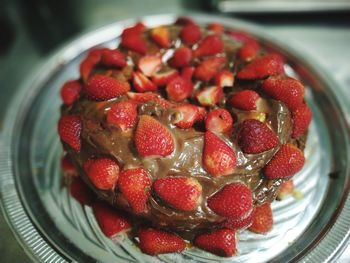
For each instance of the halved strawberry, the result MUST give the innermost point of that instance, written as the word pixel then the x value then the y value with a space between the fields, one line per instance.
pixel 244 100
pixel 149 64
pixel 123 114
pixel 268 65
pixel 163 78
pixel 141 83
pixel 138 28
pixel 142 97
pixel 285 189
pixel 182 193
pixel 67 166
pixel 152 138
pixel 207 69
pixel 70 91
pixel 301 118
pixel 209 96
pixel 154 241
pixel 234 200
pixel 102 172
pixel 288 90
pixel 190 34
pixel 80 192
pixel 187 72
pixel 69 130
pixel 92 59
pixel 241 36
pixel 219 121
pixel 216 27
pixel 224 78
pixel 161 36
pixel 179 89
pixel 256 137
pixel 100 88
pixel 218 159
pixel 188 115
pixel 135 186
pixel 113 58
pixel 202 113
pixel 262 219
pixel 285 163
pixel 239 223
pixel 181 58
pixel 220 242
pixel 210 45
pixel 110 220
pixel 134 42
pixel 249 50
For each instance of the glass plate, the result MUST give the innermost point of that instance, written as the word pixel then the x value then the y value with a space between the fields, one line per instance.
pixel 53 227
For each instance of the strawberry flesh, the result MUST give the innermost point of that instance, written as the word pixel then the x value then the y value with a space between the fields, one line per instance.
pixel 141 83
pixel 188 115
pixel 219 121
pixel 244 100
pixel 179 89
pixel 262 219
pixel 149 64
pixel 209 96
pixel 161 36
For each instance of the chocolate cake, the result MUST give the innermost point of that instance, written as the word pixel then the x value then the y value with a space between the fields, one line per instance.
pixel 189 129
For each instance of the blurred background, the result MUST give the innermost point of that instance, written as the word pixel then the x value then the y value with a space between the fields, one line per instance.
pixel 31 30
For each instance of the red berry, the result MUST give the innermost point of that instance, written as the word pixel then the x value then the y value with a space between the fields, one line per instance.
pixel 181 58
pixel 80 192
pixel 249 50
pixel 285 189
pixel 244 100
pixel 219 121
pixel 67 166
pixel 210 45
pixel 70 91
pixel 241 36
pixel 224 78
pixel 154 241
pixel 161 36
pixel 285 163
pixel 219 159
pixel 134 42
pixel 184 21
pixel 113 58
pixel 182 193
pixel 262 219
pixel 102 172
pixel 138 28
pixel 256 137
pixel 143 97
pixel 234 200
pixel 216 27
pixel 188 115
pixel 208 68
pixel 179 89
pixel 163 78
pixel 92 59
pixel 220 242
pixel 239 223
pixel 190 34
pixel 69 130
pixel 135 186
pixel 141 83
pixel 149 64
pixel 110 220
pixel 152 138
pixel 187 72
pixel 209 96
pixel 100 88
pixel 123 114
pixel 301 118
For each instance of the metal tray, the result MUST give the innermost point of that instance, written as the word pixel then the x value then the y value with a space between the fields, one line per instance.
pixel 52 227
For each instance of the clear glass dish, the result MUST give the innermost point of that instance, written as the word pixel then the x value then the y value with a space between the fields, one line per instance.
pixel 53 227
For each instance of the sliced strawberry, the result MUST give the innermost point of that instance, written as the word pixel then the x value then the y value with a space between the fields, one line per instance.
pixel 123 114
pixel 102 172
pixel 152 138
pixel 262 219
pixel 187 72
pixel 249 50
pixel 142 97
pixel 161 36
pixel 288 90
pixel 268 65
pixel 135 186
pixel 85 68
pixel 181 58
pixel 182 193
pixel 110 220
pixel 190 34
pixel 163 78
pixel 244 100
pixel 285 163
pixel 67 166
pixel 234 200
pixel 149 64
pixel 141 83
pixel 240 36
pixel 219 121
pixel 285 189
pixel 202 113
pixel 138 28
pixel 80 192
pixel 251 115
pixel 69 130
pixel 209 96
pixel 100 88
pixel 239 223
pixel 256 137
pixel 208 68
pixel 70 91
pixel 220 242
pixel 219 159
pixel 154 241
pixel 188 115
pixel 210 45
pixel 216 27
pixel 301 118
pixel 113 58
pixel 134 42
pixel 179 89
pixel 224 78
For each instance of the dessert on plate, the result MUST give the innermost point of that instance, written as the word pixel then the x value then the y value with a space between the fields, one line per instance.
pixel 183 134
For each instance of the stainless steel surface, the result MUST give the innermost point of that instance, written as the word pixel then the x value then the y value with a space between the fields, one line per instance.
pixel 37 149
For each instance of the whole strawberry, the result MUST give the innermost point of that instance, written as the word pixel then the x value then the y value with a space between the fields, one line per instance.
pixel 182 193
pixel 262 219
pixel 190 34
pixel 69 130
